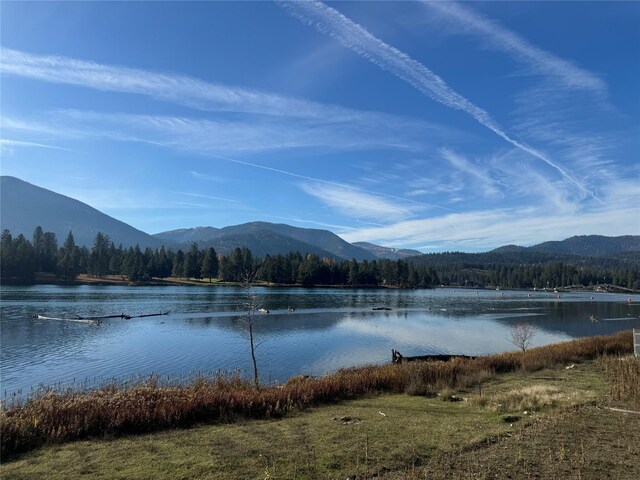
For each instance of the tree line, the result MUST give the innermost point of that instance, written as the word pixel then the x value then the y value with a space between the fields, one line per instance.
pixel 21 259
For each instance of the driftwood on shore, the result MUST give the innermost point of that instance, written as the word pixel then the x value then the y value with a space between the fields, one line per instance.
pixel 397 357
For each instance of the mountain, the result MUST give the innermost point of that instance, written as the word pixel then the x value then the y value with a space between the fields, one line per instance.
pixel 591 245
pixel 509 249
pixel 320 238
pixel 188 235
pixel 583 245
pixel 24 206
pixel 262 243
pixel 269 238
pixel 386 252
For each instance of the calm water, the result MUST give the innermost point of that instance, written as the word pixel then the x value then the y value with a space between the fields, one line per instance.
pixel 330 329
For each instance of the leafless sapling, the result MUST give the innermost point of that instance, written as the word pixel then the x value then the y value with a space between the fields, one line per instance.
pixel 522 335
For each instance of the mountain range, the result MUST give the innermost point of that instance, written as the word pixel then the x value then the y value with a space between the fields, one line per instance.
pixel 24 206
pixel 585 245
pixel 268 238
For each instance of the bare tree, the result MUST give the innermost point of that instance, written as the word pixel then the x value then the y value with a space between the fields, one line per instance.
pixel 252 314
pixel 522 335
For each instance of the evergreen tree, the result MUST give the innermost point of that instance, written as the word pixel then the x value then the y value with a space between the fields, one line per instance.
pixel 191 266
pixel 163 264
pixel 7 255
pixel 354 273
pixel 68 259
pixel 49 252
pixel 177 269
pixel 38 248
pixel 210 265
pixel 99 257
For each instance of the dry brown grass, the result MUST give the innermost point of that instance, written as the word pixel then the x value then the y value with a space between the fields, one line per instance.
pixel 528 399
pixel 57 417
pixel 625 376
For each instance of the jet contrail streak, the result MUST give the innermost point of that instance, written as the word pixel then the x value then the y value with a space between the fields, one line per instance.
pixel 352 35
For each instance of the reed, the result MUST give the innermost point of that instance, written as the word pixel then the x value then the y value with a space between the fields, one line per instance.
pixel 60 416
pixel 625 375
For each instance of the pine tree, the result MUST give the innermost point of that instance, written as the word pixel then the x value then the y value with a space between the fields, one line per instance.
pixel 178 264
pixel 210 266
pixel 68 261
pixel 99 256
pixel 38 248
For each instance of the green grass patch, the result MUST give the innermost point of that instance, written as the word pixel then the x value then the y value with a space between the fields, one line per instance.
pixel 364 437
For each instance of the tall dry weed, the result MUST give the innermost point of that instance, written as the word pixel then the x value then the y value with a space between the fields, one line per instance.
pixel 625 375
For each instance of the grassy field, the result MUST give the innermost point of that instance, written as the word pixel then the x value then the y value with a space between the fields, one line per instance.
pixel 566 433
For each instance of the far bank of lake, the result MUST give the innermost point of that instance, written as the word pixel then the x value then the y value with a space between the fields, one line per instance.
pixel 307 330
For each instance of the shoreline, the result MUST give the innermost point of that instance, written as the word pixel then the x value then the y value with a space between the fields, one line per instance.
pixel 117 280
pixel 149 406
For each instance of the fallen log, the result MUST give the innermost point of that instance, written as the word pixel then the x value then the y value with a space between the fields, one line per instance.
pixel 150 315
pixel 122 315
pixel 397 357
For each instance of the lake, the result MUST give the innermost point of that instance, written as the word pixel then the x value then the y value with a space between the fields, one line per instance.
pixel 329 329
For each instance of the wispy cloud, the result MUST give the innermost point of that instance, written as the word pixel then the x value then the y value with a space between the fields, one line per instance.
pixel 209 178
pixel 352 35
pixel 482 230
pixel 209 197
pixel 571 124
pixel 539 61
pixel 240 136
pixel 479 174
pixel 179 89
pixel 355 203
pixel 332 226
pixel 176 133
pixel 196 93
pixel 6 143
pixel 554 111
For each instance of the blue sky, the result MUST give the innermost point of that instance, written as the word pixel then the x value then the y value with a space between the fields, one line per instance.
pixel 436 126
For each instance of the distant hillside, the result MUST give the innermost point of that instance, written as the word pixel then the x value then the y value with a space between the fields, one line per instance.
pixel 386 252
pixel 24 206
pixel 591 245
pixel 583 245
pixel 509 249
pixel 463 260
pixel 189 235
pixel 261 243
pixel 270 238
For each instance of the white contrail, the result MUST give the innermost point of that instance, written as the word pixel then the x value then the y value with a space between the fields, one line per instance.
pixel 510 42
pixel 320 180
pixel 19 143
pixel 352 35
